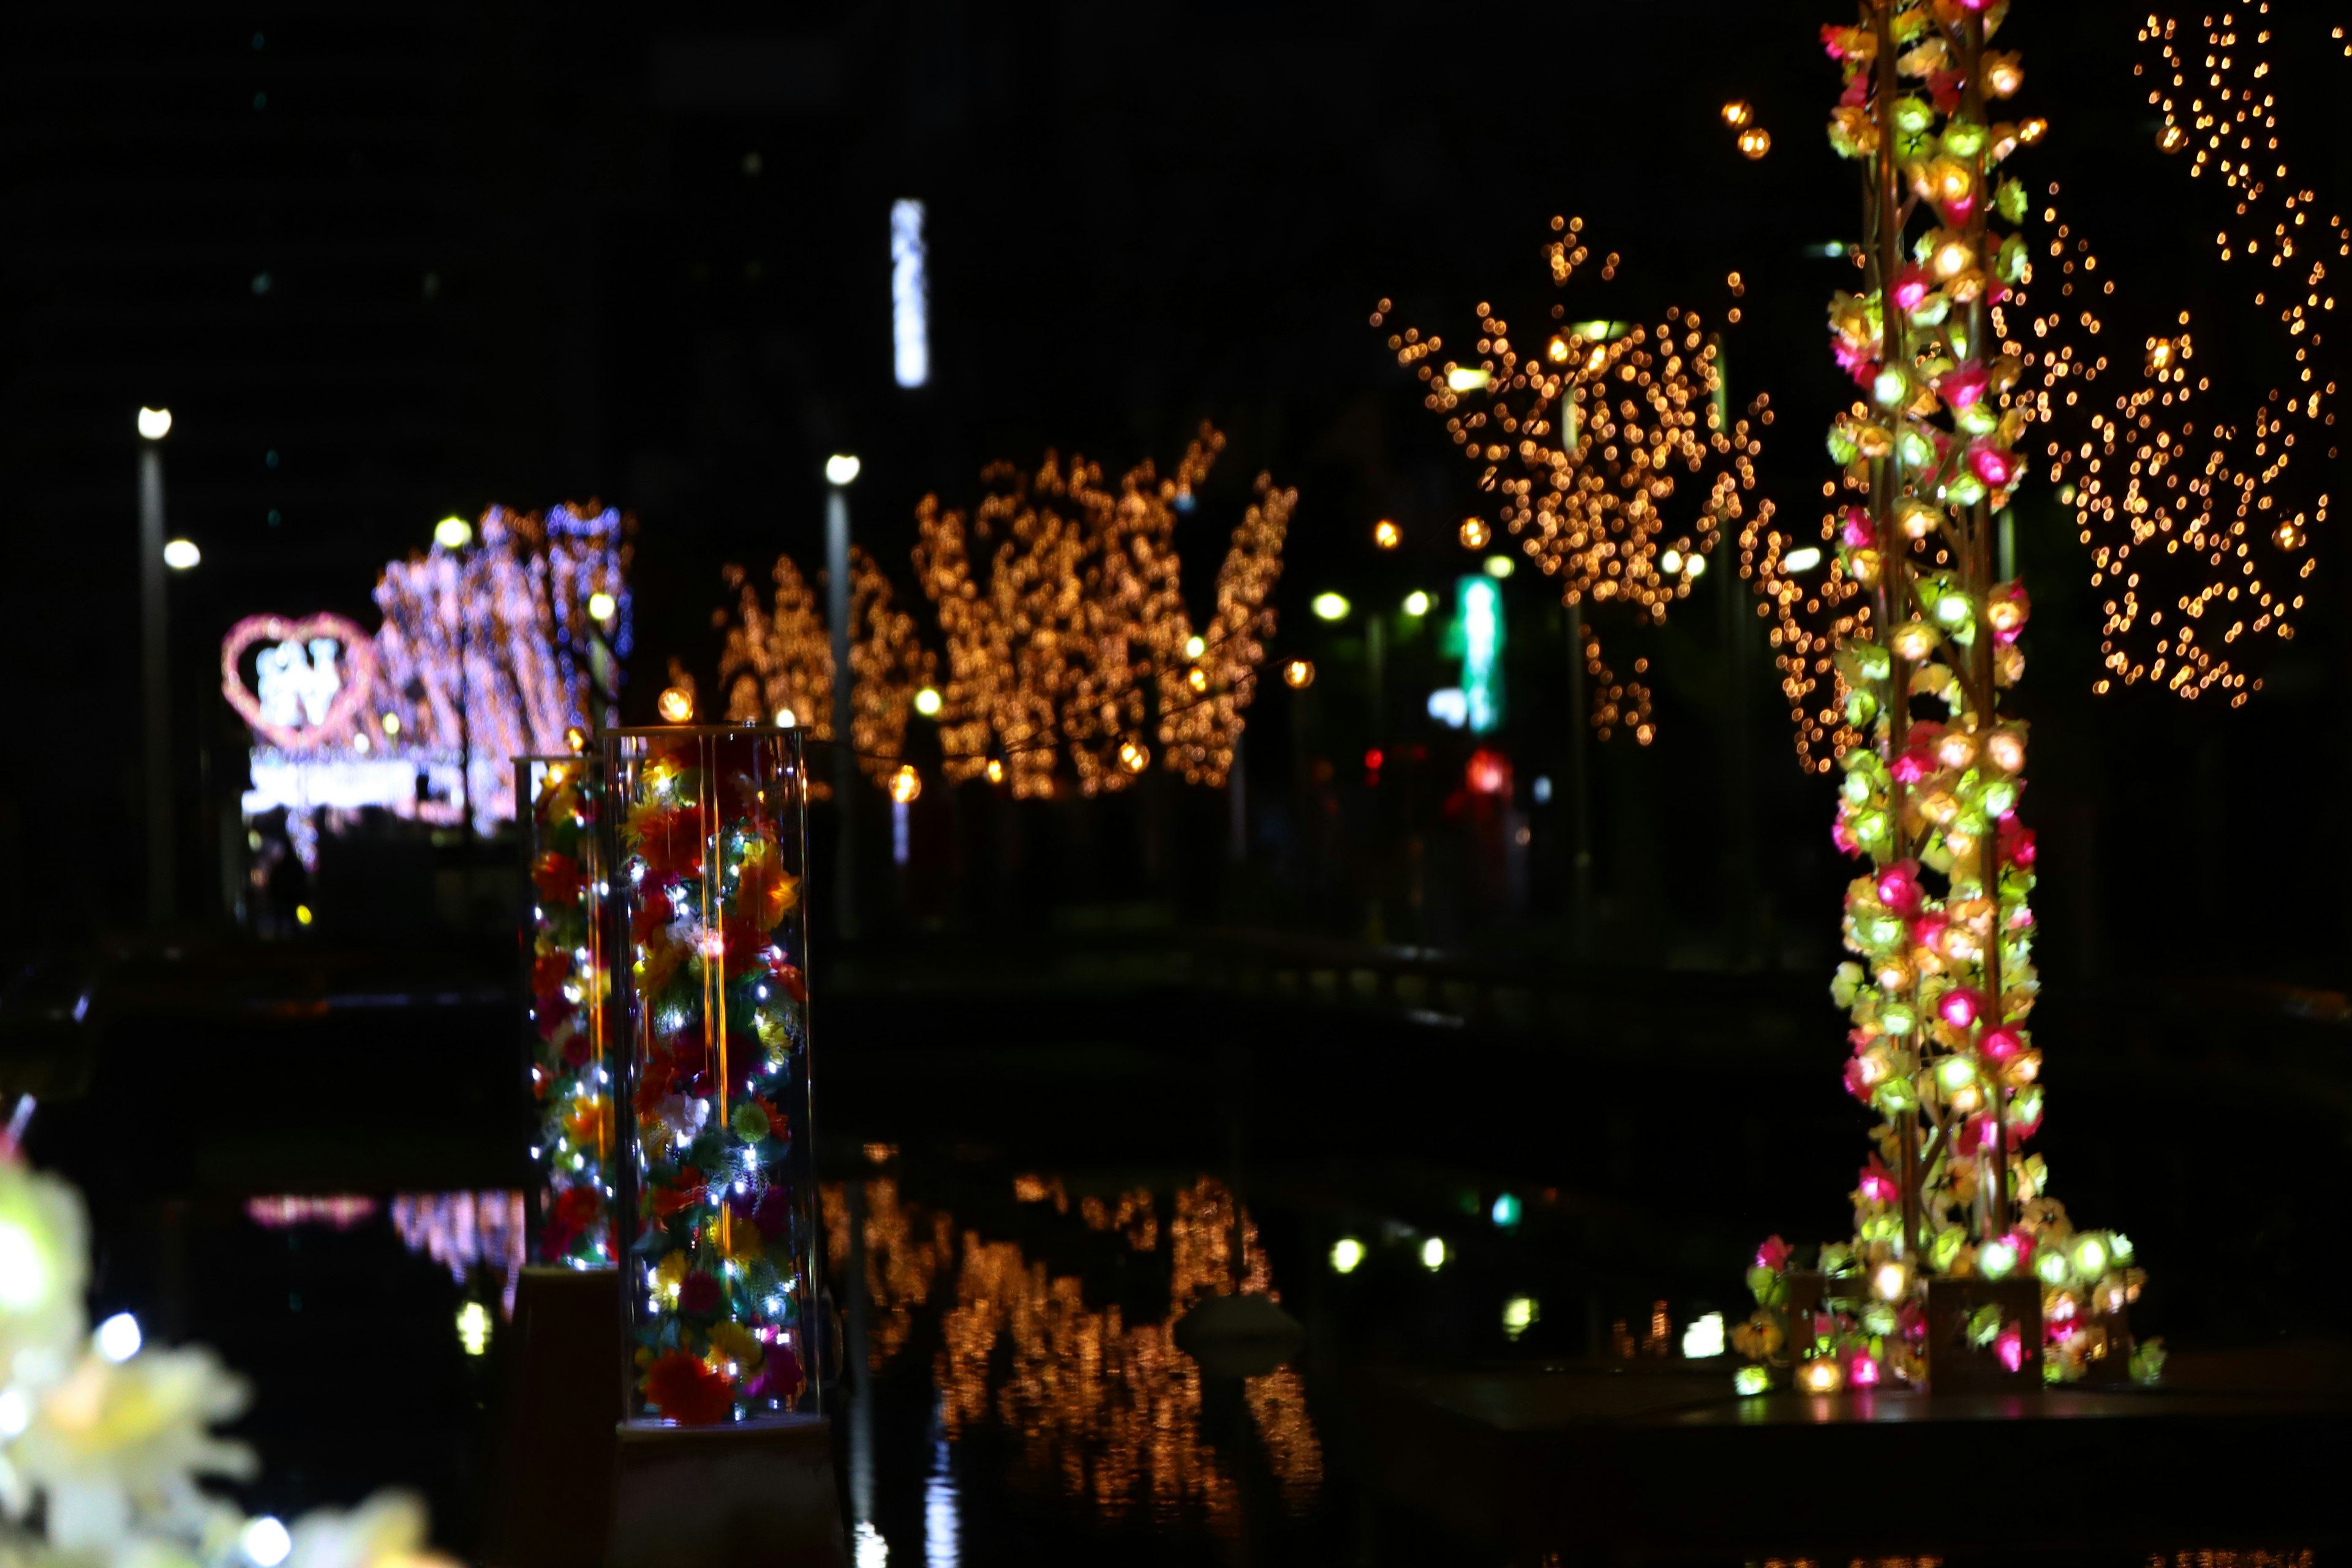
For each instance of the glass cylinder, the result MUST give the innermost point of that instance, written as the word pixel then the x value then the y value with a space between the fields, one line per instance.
pixel 711 837
pixel 568 980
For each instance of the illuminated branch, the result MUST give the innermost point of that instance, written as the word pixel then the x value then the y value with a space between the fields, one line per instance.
pixel 776 665
pixel 1580 440
pixel 1079 641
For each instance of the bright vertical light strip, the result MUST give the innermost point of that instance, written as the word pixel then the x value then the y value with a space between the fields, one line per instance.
pixel 940 1544
pixel 1479 603
pixel 899 832
pixel 910 295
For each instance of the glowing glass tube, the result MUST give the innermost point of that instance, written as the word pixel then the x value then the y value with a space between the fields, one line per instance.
pixel 711 830
pixel 569 1072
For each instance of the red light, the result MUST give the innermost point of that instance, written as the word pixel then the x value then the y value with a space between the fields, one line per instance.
pixel 1489 772
pixel 1372 759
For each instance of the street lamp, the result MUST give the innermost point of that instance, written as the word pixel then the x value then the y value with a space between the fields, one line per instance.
pixel 155 555
pixel 841 472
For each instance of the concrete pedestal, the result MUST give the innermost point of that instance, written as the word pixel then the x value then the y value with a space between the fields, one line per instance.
pixel 757 1494
pixel 559 1398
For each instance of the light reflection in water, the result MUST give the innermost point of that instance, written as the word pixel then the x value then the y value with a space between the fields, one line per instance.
pixel 285 1211
pixel 464 1231
pixel 1107 1412
pixel 939 1509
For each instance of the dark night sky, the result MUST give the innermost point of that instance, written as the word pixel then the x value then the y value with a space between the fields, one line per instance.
pixel 387 261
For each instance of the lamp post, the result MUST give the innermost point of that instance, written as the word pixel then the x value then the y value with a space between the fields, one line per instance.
pixel 454 535
pixel 154 423
pixel 840 473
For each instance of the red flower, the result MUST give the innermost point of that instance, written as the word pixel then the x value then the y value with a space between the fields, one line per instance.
pixel 746 941
pixel 653 1083
pixel 699 1296
pixel 1773 1253
pixel 774 1217
pixel 1878 1182
pixel 577 1207
pixel 1855 1084
pixel 687 1392
pixel 548 971
pixel 558 878
pixel 671 842
pixel 780 1376
pixel 1911 286
pixel 1995 464
pixel 1899 889
pixel 788 975
pixel 654 911
pixel 1964 384
pixel 666 1201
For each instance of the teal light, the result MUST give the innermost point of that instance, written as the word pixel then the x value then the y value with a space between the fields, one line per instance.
pixel 1506 1212
pixel 1477 638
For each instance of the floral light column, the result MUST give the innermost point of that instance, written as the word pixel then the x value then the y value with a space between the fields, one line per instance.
pixel 1941 999
pixel 711 844
pixel 570 1070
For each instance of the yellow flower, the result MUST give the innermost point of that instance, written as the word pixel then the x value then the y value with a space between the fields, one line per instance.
pixel 114 1437
pixel 743 1242
pixel 44 1264
pixel 388 1531
pixel 738 1352
pixel 669 1274
pixel 1759 1338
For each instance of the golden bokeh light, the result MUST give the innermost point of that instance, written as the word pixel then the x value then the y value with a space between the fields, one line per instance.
pixel 1585 450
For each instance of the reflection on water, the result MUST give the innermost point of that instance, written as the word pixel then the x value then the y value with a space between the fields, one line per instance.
pixel 465 1231
pixel 940 1530
pixel 336 1211
pixel 1104 1411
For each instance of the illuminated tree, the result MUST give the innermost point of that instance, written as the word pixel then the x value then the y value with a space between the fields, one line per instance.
pixel 1076 641
pixel 2197 534
pixel 1068 638
pixel 1942 998
pixel 776 666
pixel 496 650
pixel 1578 439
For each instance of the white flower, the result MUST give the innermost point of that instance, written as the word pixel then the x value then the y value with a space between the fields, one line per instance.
pixel 387 1531
pixel 43 1265
pixel 119 1445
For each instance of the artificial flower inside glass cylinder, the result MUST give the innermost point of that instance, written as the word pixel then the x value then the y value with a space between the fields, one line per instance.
pixel 570 1076
pixel 712 844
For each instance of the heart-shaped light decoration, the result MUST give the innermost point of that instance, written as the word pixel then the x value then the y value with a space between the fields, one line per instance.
pixel 309 700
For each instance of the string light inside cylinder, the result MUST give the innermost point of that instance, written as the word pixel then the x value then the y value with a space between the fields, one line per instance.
pixel 720 1278
pixel 571 1074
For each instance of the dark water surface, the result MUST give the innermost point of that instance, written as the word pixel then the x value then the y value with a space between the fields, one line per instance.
pixel 1022 1397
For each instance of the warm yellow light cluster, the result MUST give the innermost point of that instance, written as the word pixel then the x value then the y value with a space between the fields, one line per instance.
pixel 1060 601
pixel 776 665
pixel 1583 441
pixel 1106 1411
pixel 2196 544
pixel 1804 589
